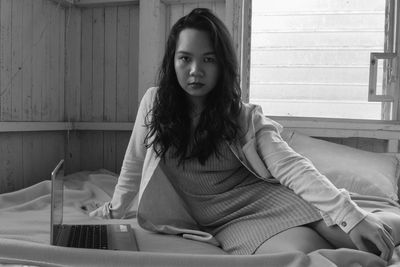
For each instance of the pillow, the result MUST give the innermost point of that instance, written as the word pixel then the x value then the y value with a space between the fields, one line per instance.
pixel 358 171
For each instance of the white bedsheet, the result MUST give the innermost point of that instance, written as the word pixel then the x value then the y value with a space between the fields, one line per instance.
pixel 25 224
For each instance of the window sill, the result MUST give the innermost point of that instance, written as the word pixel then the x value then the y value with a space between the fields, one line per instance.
pixel 327 127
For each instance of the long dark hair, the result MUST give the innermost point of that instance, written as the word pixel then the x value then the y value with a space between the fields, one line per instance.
pixel 169 122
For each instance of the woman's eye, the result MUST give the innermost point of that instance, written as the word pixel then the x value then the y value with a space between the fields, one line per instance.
pixel 184 59
pixel 209 59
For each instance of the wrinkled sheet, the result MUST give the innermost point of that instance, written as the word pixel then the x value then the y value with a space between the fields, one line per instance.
pixel 25 235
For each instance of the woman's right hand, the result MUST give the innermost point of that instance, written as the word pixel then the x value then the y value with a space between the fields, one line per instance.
pixel 373 235
pixel 102 211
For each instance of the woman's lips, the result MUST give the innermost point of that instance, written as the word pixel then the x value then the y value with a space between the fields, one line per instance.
pixel 196 85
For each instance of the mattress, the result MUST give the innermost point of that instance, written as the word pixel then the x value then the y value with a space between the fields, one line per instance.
pixel 25 234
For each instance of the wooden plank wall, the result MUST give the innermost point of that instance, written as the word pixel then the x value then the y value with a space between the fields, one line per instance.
pixel 109 84
pixel 74 64
pixel 177 10
pixel 31 88
pixel 32 65
pixel 106 64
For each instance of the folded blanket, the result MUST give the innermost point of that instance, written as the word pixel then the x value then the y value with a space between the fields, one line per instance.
pixel 25 235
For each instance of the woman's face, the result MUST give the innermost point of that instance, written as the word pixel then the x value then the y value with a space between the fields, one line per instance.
pixel 196 64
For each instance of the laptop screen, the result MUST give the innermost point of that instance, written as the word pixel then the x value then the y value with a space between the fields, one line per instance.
pixel 57 195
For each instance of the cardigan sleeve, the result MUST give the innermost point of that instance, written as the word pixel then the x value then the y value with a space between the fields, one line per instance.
pixel 131 171
pixel 299 174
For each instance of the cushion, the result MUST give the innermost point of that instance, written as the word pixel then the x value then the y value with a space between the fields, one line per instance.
pixel 358 171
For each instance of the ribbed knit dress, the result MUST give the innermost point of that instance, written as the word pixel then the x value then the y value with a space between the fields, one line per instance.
pixel 228 201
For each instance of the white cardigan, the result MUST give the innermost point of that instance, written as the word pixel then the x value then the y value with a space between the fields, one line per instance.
pixel 261 150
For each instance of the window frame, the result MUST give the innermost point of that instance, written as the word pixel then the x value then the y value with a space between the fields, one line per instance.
pixel 341 127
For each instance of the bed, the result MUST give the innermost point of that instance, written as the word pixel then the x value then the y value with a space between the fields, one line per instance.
pixel 24 217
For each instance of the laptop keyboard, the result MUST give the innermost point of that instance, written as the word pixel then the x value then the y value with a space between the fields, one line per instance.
pixel 88 236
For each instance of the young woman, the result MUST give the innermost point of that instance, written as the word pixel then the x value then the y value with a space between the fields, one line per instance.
pixel 212 168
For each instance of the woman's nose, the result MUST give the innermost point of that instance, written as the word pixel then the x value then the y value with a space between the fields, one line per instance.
pixel 196 69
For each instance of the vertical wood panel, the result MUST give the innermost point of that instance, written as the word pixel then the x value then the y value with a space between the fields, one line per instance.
pixel 110 68
pixel 72 86
pixel 162 26
pixel 61 68
pixel 73 64
pixel 208 5
pixel 133 61
pixel 72 152
pixel 47 92
pixel 6 52
pixel 123 64
pixel 27 42
pixel 245 62
pixel 10 162
pixel 189 7
pixel 114 43
pixel 92 150
pixel 40 152
pixel 98 64
pixel 53 148
pixel 175 13
pixel 31 151
pixel 220 10
pixel 31 88
pixel 149 16
pixel 38 59
pixel 16 43
pixel 51 106
pixel 122 140
pixel 233 21
pixel 87 65
pixel 110 152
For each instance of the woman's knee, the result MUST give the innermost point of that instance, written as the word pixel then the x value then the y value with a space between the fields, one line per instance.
pixel 302 238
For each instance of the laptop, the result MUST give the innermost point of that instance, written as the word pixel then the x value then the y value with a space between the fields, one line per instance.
pixel 99 236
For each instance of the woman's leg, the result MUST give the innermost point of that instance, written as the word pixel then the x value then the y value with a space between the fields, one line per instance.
pixel 300 238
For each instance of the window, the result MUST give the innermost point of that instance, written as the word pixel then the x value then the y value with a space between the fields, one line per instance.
pixel 311 58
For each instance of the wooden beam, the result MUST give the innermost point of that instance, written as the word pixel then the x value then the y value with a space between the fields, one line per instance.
pixel 338 123
pixel 309 126
pixel 34 126
pixel 64 3
pixel 64 126
pixel 346 133
pixel 103 126
pixel 178 2
pixel 96 3
pixel 342 128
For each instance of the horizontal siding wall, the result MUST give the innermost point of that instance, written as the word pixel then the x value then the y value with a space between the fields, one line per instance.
pixel 311 57
pixel 32 45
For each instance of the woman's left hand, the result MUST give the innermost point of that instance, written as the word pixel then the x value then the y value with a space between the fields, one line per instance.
pixel 371 234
